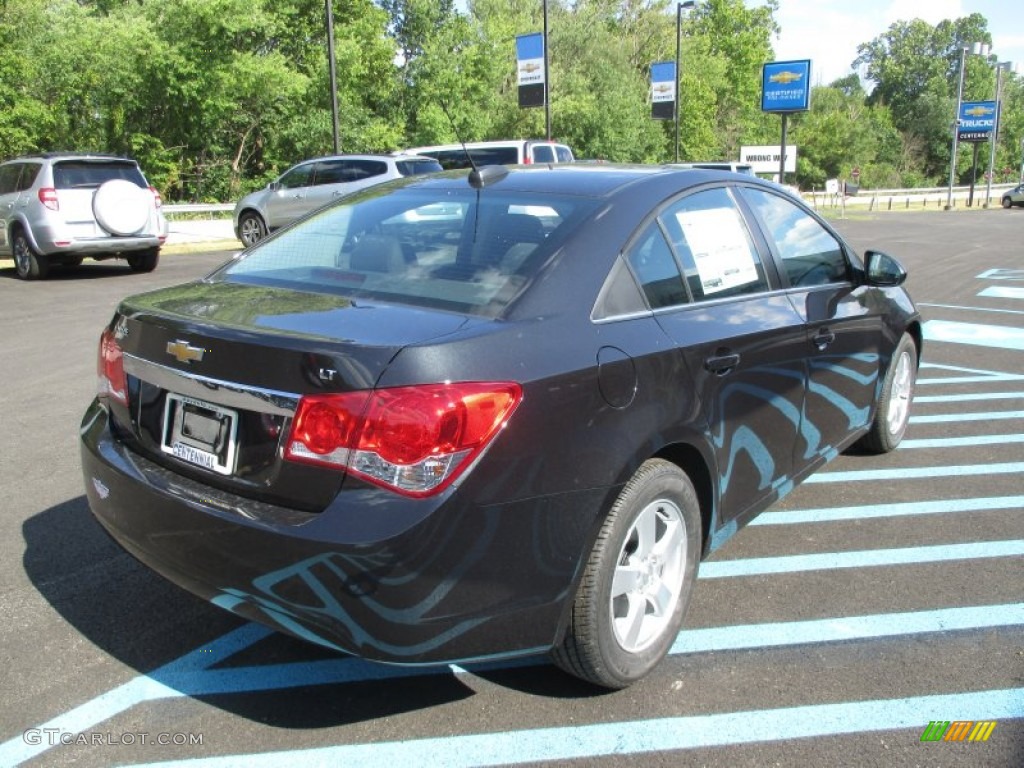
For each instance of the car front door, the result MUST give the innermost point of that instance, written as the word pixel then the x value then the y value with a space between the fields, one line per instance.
pixel 288 202
pixel 741 342
pixel 843 326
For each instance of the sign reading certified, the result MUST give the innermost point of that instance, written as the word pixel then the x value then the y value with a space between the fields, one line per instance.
pixel 786 86
pixel 765 159
pixel 977 120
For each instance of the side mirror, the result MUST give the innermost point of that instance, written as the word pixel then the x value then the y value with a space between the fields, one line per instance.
pixel 882 270
pixel 274 186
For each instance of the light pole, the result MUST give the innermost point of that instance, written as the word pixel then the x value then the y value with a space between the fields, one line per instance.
pixel 679 37
pixel 1000 66
pixel 978 48
pixel 333 75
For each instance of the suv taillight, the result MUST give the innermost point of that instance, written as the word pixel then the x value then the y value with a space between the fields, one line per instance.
pixel 156 197
pixel 48 197
pixel 112 381
pixel 413 440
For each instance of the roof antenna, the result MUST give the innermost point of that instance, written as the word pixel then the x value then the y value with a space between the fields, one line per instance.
pixel 478 177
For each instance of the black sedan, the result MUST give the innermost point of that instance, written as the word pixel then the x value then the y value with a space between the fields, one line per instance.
pixel 457 418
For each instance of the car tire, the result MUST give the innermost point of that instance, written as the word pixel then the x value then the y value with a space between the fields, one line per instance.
pixel 251 229
pixel 143 261
pixel 1007 203
pixel 893 412
pixel 28 264
pixel 637 582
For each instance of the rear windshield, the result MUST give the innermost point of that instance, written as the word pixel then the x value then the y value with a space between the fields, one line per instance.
pixel 451 159
pixel 456 250
pixel 415 167
pixel 72 174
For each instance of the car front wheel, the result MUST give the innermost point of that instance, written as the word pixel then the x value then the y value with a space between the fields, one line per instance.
pixel 637 582
pixel 1007 203
pixel 894 400
pixel 27 263
pixel 251 229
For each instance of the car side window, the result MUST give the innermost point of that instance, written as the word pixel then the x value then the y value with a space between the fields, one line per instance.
pixel 810 254
pixel 357 170
pixel 9 178
pixel 563 153
pixel 297 177
pixel 656 269
pixel 329 172
pixel 543 153
pixel 710 238
pixel 29 171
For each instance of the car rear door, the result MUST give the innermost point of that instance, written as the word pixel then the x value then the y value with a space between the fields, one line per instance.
pixel 843 327
pixel 742 342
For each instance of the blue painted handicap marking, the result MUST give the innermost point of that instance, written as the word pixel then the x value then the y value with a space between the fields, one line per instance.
pixel 998 336
pixel 1000 292
pixel 1002 274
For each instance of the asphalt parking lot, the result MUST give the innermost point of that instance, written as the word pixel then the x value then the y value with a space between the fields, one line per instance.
pixel 883 595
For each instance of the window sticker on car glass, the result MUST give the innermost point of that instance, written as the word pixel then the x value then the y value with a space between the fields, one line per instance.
pixel 720 247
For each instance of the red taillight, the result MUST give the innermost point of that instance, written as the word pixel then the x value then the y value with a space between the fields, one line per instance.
pixel 112 381
pixel 156 197
pixel 413 440
pixel 48 197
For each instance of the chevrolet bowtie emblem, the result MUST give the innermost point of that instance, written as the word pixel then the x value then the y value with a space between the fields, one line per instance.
pixel 184 352
pixel 786 77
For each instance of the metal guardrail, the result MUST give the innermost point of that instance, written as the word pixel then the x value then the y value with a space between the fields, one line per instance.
pixel 903 199
pixel 176 208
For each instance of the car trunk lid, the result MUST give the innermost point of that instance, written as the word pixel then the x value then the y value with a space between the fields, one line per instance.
pixel 215 371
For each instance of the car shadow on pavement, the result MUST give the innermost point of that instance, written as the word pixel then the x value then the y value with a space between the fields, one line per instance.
pixel 145 622
pixel 85 271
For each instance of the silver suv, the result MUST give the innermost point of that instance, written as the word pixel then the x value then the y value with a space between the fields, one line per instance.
pixel 313 183
pixel 56 209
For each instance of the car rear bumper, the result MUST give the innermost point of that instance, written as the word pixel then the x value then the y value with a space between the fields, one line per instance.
pixel 422 582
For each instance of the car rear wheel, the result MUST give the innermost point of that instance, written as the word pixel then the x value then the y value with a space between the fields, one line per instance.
pixel 144 261
pixel 251 229
pixel 28 264
pixel 638 580
pixel 894 400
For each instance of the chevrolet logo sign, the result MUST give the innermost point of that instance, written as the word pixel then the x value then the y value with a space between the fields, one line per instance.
pixel 979 111
pixel 786 77
pixel 529 68
pixel 663 88
pixel 184 352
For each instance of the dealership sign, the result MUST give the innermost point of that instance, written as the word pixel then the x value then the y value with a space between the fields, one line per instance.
pixel 663 90
pixel 977 120
pixel 530 65
pixel 766 159
pixel 786 86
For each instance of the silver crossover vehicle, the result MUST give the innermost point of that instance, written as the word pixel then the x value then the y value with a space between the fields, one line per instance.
pixel 56 209
pixel 314 183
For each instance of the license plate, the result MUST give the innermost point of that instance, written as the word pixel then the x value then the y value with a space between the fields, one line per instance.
pixel 200 433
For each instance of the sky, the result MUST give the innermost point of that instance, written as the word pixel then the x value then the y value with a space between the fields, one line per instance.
pixel 828 31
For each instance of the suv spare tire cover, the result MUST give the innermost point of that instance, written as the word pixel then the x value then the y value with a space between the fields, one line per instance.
pixel 121 207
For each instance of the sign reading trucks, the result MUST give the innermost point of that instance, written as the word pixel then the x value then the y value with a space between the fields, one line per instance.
pixel 765 159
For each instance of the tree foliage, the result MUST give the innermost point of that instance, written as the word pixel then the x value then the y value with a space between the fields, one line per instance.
pixel 215 97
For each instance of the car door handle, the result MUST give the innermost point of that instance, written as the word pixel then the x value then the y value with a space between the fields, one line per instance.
pixel 721 364
pixel 823 338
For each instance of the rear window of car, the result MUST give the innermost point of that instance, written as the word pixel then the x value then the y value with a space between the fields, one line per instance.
pixel 457 250
pixel 73 174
